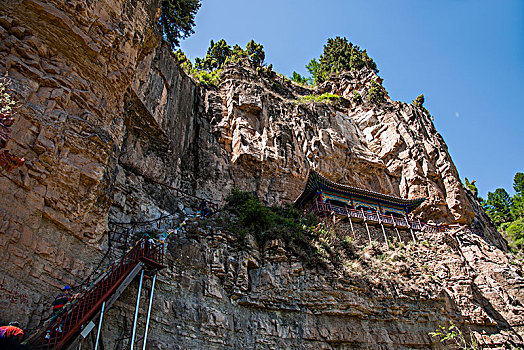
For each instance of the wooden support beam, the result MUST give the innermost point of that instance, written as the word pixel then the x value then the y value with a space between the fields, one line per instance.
pixel 398 234
pixel 351 224
pixel 367 229
pixel 385 237
pixel 412 235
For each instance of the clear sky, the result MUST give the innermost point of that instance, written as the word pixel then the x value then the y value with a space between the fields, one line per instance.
pixel 465 56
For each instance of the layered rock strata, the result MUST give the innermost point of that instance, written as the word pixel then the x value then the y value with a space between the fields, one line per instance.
pixel 108 121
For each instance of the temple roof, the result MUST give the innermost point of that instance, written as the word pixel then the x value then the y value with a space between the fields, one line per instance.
pixel 316 182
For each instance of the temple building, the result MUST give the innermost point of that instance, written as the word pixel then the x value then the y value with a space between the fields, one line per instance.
pixel 319 190
pixel 327 198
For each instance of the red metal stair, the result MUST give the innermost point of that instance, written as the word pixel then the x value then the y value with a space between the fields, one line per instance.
pixel 67 327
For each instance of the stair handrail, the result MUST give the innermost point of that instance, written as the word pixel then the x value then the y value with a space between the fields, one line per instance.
pixel 92 298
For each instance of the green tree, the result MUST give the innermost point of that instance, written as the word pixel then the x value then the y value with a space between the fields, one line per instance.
pixel 183 61
pixel 498 206
pixel 376 94
pixel 216 55
pixel 518 183
pixel 515 232
pixel 336 56
pixel 339 54
pixel 297 78
pixel 368 61
pixel 177 19
pixel 238 51
pixel 419 102
pixel 517 211
pixel 255 53
pixel 313 67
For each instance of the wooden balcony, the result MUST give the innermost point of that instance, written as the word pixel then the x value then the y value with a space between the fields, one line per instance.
pixel 328 209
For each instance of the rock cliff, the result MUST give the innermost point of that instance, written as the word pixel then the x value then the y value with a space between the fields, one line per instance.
pixel 108 121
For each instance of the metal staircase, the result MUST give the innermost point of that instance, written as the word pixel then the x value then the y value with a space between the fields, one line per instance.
pixel 65 330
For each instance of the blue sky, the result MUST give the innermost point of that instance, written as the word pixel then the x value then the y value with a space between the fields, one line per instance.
pixel 466 56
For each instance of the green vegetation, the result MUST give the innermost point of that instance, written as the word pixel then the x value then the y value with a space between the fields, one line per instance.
pixel 204 77
pixel 313 67
pixel 297 78
pixel 326 97
pixel 453 335
pixel 507 213
pixel 357 98
pixel 207 70
pixel 376 94
pixel 7 103
pixel 471 187
pixel 303 235
pixel 267 223
pixel 177 19
pixel 419 102
pixel 255 53
pixel 339 55
pixel 216 55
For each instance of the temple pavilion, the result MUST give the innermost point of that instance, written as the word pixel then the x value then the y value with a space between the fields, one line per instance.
pixel 325 197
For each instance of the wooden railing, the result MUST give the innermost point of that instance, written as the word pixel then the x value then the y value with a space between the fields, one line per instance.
pixel 324 209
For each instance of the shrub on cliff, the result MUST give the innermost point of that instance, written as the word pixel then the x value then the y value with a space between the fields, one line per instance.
pixel 376 94
pixel 297 78
pixel 207 70
pixel 267 223
pixel 357 98
pixel 184 62
pixel 470 186
pixel 177 19
pixel 325 97
pixel 515 231
pixel 419 102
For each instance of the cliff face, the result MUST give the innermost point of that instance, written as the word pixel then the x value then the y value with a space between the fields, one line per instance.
pixel 70 64
pixel 107 117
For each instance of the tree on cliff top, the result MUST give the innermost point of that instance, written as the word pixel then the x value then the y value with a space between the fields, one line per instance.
pixel 339 55
pixel 216 55
pixel 177 19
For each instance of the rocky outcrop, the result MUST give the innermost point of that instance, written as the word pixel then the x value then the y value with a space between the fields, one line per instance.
pixel 70 64
pixel 217 295
pixel 109 125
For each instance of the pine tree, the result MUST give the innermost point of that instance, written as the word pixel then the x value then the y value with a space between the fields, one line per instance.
pixel 339 54
pixel 313 67
pixel 255 53
pixel 177 19
pixel 498 206
pixel 215 57
pixel 517 211
pixel 297 78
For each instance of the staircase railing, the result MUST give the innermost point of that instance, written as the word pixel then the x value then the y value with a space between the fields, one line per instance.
pixel 89 303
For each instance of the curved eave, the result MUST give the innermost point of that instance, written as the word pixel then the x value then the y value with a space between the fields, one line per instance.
pixel 316 182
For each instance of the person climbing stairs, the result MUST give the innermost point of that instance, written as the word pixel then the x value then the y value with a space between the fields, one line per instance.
pixel 66 329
